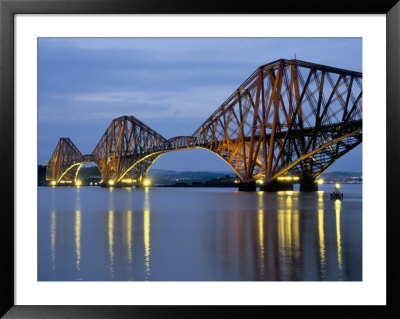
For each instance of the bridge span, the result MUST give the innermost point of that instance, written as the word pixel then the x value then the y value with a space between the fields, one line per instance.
pixel 290 120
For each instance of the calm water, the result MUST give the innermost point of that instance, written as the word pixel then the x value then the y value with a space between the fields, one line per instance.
pixel 191 234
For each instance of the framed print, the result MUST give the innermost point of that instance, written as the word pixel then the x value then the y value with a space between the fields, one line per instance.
pixel 172 159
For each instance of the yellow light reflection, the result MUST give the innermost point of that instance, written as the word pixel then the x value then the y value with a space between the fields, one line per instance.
pixel 78 239
pixel 129 235
pixel 53 240
pixel 338 205
pixel 111 240
pixel 321 236
pixel 261 236
pixel 288 231
pixel 320 199
pixel 281 224
pixel 296 234
pixel 261 232
pixel 289 201
pixel 281 232
pixel 146 234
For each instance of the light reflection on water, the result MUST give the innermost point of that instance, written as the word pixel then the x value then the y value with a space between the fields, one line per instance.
pixel 146 233
pixel 53 240
pixel 111 241
pixel 338 205
pixel 195 234
pixel 78 239
pixel 321 233
pixel 261 233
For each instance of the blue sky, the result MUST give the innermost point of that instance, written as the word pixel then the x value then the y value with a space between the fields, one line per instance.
pixel 171 84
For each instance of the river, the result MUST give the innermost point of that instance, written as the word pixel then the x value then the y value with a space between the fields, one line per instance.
pixel 198 234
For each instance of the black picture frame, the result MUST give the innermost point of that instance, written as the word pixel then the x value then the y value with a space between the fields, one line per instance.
pixel 8 8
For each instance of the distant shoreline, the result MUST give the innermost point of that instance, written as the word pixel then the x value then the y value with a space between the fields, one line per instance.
pixel 168 178
pixel 190 186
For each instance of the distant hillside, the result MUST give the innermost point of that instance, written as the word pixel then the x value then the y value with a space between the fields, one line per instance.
pixel 157 171
pixel 162 177
pixel 339 173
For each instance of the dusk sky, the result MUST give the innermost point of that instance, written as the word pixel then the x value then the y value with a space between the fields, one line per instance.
pixel 171 84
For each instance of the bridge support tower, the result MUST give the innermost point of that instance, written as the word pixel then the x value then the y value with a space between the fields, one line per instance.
pixel 108 185
pixel 248 187
pixel 308 184
pixel 275 186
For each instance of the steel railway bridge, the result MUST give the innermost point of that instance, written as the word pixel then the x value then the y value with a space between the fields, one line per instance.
pixel 289 121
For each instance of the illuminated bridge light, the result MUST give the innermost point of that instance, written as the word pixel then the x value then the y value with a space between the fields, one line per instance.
pixel 146 182
pixel 260 181
pixel 288 178
pixel 111 183
pixel 128 180
pixel 320 181
pixel 78 183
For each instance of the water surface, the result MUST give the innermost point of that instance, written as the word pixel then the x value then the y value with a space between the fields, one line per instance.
pixel 198 234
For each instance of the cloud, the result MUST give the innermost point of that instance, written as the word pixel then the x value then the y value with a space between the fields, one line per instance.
pixel 106 97
pixel 188 103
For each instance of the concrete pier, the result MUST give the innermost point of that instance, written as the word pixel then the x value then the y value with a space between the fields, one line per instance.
pixel 248 187
pixel 276 186
pixel 107 185
pixel 308 185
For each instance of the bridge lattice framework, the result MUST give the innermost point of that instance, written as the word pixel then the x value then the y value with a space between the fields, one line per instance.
pixel 289 118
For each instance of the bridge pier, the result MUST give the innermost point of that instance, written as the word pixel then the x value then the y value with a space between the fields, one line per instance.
pixel 247 187
pixel 275 186
pixel 108 185
pixel 308 185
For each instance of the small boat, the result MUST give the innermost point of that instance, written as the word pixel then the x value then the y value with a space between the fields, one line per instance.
pixel 336 194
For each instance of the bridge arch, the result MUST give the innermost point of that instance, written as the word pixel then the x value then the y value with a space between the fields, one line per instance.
pixel 82 165
pixel 151 158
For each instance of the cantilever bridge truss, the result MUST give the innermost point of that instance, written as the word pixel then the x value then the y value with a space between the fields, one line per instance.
pixel 288 118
